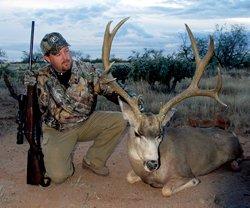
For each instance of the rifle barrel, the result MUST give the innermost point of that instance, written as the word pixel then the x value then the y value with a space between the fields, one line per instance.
pixel 31 45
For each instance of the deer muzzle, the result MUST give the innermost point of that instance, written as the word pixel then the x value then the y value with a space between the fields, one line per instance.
pixel 152 165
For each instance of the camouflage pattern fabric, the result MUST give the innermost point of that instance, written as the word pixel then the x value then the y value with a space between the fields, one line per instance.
pixel 62 107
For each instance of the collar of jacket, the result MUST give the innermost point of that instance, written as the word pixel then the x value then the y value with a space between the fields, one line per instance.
pixel 75 72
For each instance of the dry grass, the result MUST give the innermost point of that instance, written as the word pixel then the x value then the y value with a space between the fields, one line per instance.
pixel 235 93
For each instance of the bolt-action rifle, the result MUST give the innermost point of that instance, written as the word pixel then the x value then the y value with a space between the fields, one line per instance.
pixel 33 133
pixel 30 125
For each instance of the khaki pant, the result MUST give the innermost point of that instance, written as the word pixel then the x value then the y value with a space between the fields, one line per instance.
pixel 103 127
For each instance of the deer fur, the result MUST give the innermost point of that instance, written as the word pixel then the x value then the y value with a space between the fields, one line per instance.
pixel 182 153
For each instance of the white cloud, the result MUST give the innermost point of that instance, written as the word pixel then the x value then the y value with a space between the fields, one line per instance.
pixel 240 20
pixel 82 22
pixel 47 4
pixel 158 3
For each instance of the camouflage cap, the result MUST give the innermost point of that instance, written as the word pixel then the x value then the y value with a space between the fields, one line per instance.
pixel 52 43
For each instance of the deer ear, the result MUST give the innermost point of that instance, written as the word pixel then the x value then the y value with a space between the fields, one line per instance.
pixel 127 113
pixel 168 116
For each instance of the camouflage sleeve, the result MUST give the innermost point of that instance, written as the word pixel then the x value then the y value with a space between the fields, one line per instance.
pixel 42 95
pixel 103 89
pixel 107 92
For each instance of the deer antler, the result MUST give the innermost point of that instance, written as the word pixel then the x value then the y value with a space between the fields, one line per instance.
pixel 193 89
pixel 106 77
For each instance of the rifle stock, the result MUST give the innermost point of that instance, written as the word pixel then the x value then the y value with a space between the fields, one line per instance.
pixel 35 166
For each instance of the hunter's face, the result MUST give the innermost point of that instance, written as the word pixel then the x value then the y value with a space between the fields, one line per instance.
pixel 62 61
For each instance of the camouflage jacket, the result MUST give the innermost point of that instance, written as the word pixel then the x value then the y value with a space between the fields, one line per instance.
pixel 63 107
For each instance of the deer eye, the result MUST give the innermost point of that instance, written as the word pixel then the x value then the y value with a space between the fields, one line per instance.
pixel 137 134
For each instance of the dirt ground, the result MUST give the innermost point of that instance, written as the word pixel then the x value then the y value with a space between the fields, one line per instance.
pixel 222 188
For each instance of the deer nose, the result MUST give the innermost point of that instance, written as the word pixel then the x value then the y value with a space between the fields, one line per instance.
pixel 152 164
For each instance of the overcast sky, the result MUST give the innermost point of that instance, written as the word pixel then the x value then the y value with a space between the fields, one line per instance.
pixel 152 24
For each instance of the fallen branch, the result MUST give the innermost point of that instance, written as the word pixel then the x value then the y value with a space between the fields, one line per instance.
pixel 10 87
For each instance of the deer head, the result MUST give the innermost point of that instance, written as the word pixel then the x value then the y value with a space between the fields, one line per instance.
pixel 147 130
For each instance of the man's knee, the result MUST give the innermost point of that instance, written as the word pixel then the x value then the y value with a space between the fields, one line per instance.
pixel 59 177
pixel 59 173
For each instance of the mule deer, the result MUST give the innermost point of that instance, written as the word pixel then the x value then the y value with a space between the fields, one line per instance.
pixel 171 158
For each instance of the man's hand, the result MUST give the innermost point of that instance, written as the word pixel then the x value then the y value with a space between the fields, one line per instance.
pixel 29 78
pixel 102 87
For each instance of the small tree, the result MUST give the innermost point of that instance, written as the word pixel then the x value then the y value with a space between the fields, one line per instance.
pixel 176 70
pixel 153 67
pixel 37 57
pixel 231 45
pixel 3 56
pixel 4 65
pixel 121 71
pixel 147 66
pixel 185 56
pixel 246 62
pixel 79 56
pixel 185 52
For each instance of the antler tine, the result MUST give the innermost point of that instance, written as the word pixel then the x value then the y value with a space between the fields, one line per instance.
pixel 200 63
pixel 193 44
pixel 218 87
pixel 193 89
pixel 107 43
